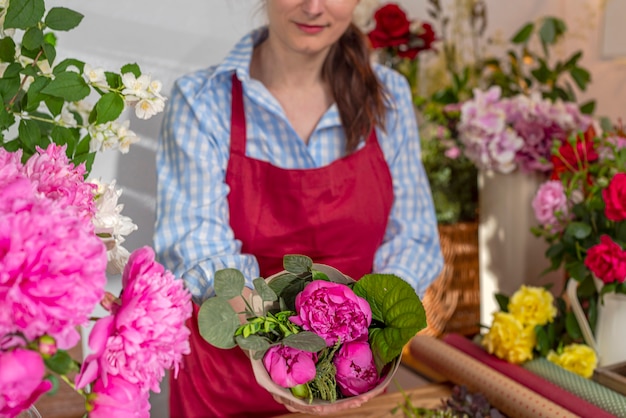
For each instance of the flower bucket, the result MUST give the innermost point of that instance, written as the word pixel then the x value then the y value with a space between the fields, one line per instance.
pixel 608 341
pixel 284 394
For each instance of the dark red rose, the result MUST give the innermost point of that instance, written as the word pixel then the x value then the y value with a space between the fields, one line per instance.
pixel 570 159
pixel 607 260
pixel 422 41
pixel 392 27
pixel 615 198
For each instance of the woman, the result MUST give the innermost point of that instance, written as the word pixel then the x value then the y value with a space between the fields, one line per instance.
pixel 293 144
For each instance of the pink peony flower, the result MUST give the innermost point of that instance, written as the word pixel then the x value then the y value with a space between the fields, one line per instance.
pixel 147 333
pixel 51 266
pixel 21 380
pixel 356 370
pixel 550 203
pixel 289 367
pixel 332 311
pixel 58 179
pixel 10 166
pixel 607 261
pixel 120 399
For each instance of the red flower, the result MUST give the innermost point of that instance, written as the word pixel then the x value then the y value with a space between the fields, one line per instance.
pixel 570 159
pixel 615 198
pixel 607 260
pixel 392 27
pixel 421 41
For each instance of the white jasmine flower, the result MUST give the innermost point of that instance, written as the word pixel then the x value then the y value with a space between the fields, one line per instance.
pixel 66 118
pixel 135 88
pixel 125 136
pixel 146 108
pixel 95 76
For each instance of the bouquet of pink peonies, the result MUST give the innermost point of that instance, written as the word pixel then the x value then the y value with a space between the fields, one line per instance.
pixel 315 335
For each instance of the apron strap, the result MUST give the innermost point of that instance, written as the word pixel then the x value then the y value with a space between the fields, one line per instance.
pixel 237 119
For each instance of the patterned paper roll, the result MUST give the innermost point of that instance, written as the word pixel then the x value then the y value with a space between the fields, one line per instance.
pixel 508 396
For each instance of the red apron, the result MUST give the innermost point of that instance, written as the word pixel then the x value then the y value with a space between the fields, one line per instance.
pixel 336 214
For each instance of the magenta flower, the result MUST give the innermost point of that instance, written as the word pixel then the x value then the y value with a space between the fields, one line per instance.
pixel 51 266
pixel 356 370
pixel 10 165
pixel 332 311
pixel 58 179
pixel 607 261
pixel 147 333
pixel 550 204
pixel 289 367
pixel 120 399
pixel 21 380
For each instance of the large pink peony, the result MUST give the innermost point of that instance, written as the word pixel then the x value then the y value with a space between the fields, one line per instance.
pixel 550 204
pixel 146 333
pixel 332 311
pixel 289 367
pixel 356 370
pixel 21 380
pixel 52 265
pixel 120 399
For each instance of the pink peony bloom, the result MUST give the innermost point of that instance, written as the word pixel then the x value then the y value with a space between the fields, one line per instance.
pixel 332 311
pixel 58 179
pixel 607 261
pixel 147 333
pixel 51 266
pixel 615 198
pixel 356 370
pixel 289 367
pixel 550 203
pixel 21 380
pixel 119 399
pixel 10 166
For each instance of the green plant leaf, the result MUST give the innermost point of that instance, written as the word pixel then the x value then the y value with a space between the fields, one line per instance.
pixel 579 230
pixel 266 292
pixel 33 95
pixel 7 49
pixel 318 275
pixel 572 327
pixel 581 77
pixel 297 264
pixel 131 68
pixel 60 362
pixel 50 52
pixel 547 32
pixel 252 343
pixel 54 104
pixel 62 18
pixel 305 341
pixel 114 80
pixel 63 65
pixel 69 86
pixel 217 322
pixel 503 301
pixel 109 107
pixel 229 283
pixel 588 107
pixel 64 136
pixel 29 134
pixel 523 34
pixel 22 14
pixel 395 304
pixel 33 38
pixel 543 342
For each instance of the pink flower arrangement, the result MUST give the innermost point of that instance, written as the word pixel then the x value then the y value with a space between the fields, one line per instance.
pixel 52 276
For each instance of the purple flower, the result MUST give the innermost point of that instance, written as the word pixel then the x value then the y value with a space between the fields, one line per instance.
pixel 332 311
pixel 356 370
pixel 289 367
pixel 120 399
pixel 21 380
pixel 550 204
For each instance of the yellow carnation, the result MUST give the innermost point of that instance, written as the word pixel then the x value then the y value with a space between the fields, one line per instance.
pixel 509 339
pixel 532 305
pixel 577 358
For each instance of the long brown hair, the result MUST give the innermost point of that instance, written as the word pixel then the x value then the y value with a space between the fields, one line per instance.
pixel 359 95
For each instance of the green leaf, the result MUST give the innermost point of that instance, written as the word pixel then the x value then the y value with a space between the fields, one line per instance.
pixel 573 60
pixel 33 38
pixel 61 67
pixel 578 230
pixel 572 327
pixel 229 283
pixel 109 107
pixel 217 322
pixel 60 363
pixel 87 158
pixel 318 275
pixel 266 293
pixel 523 34
pixel 114 80
pixel 64 136
pixel 68 86
pixel 547 32
pixel 252 343
pixel 22 14
pixel 588 108
pixel 282 281
pixel 305 341
pixel 395 304
pixel 7 120
pixel 297 264
pixel 50 52
pixel 7 49
pixel 33 95
pixel 503 301
pixel 62 18
pixel 543 342
pixel 29 133
pixel 131 68
pixel 581 77
pixel 54 104
pixel 50 38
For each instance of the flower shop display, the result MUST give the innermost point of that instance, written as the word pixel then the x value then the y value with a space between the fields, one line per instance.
pixel 580 211
pixel 314 335
pixel 60 232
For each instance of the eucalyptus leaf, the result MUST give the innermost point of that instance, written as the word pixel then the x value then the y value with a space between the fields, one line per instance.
pixel 305 341
pixel 69 86
pixel 252 343
pixel 217 322
pixel 395 304
pixel 280 282
pixel 297 264
pixel 266 292
pixel 229 283
pixel 22 14
pixel 62 18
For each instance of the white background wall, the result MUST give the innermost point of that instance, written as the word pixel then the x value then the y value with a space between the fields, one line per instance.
pixel 170 38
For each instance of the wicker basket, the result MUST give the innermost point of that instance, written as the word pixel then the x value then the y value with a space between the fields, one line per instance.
pixel 452 302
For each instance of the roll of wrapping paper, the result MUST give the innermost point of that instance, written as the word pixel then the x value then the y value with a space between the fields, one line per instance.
pixel 545 388
pixel 593 392
pixel 510 397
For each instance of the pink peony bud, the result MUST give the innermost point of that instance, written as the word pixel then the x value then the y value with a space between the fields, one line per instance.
pixel 289 367
pixel 21 380
pixel 47 346
pixel 119 399
pixel 356 370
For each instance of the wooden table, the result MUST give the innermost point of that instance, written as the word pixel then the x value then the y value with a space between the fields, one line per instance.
pixel 427 396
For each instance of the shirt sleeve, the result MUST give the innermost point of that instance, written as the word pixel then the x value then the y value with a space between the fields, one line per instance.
pixel 193 237
pixel 411 247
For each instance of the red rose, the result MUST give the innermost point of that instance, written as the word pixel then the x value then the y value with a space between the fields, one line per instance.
pixel 615 198
pixel 419 42
pixel 570 159
pixel 607 260
pixel 392 27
